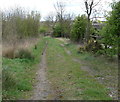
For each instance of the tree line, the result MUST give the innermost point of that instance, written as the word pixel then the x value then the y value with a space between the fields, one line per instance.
pixel 80 29
pixel 18 23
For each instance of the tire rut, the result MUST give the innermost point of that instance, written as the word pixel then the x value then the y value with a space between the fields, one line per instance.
pixel 42 89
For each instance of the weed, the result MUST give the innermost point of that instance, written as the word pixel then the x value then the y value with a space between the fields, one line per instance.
pixel 24 53
pixel 18 74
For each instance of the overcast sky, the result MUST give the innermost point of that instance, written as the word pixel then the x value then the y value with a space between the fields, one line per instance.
pixel 46 6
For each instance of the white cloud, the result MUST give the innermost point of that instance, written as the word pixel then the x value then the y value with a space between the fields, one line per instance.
pixel 46 6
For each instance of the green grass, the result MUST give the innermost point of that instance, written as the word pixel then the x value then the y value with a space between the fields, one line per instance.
pixel 19 74
pixel 102 66
pixel 67 76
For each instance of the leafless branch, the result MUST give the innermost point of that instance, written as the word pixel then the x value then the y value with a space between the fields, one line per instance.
pixel 96 3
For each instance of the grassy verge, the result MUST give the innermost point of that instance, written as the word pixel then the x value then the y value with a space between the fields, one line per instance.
pixel 18 74
pixel 68 79
pixel 103 69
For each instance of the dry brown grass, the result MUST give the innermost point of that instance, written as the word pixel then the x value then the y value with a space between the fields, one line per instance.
pixel 9 48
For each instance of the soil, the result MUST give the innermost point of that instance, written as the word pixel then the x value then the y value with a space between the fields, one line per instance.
pixel 42 89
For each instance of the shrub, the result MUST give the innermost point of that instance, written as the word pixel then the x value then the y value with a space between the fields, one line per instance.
pixel 110 32
pixel 110 51
pixel 57 31
pixel 42 30
pixel 78 29
pixel 24 53
pixel 19 23
pixel 81 49
pixel 93 46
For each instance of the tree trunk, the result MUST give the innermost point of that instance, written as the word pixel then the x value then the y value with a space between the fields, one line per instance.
pixel 87 35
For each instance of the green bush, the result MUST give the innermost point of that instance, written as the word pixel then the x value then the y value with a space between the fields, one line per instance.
pixel 111 30
pixel 92 46
pixel 78 28
pixel 110 51
pixel 42 30
pixel 19 23
pixel 57 31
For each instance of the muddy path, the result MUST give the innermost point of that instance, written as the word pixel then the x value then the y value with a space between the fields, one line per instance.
pixel 42 89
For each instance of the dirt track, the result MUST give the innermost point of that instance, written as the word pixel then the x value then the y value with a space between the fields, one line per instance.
pixel 42 90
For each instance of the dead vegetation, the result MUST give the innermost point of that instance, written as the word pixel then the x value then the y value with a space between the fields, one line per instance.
pixel 14 49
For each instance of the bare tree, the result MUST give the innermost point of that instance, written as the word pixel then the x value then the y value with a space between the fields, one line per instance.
pixel 50 20
pixel 60 9
pixel 68 20
pixel 63 18
pixel 50 17
pixel 89 4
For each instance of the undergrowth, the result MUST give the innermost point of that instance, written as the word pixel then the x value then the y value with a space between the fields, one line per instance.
pixel 18 73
